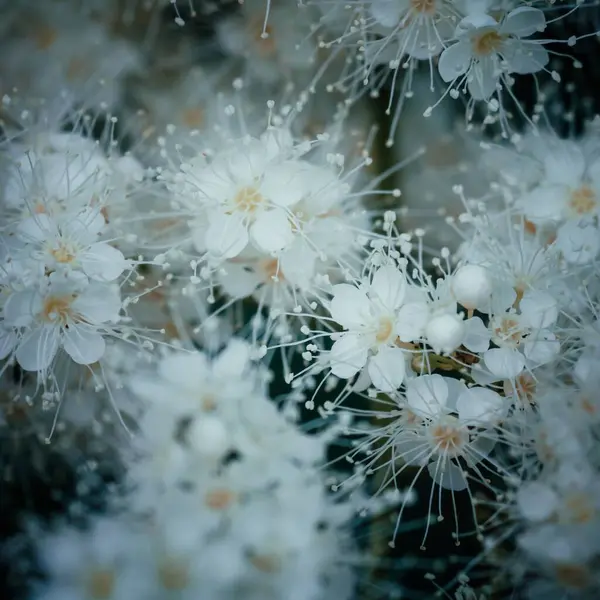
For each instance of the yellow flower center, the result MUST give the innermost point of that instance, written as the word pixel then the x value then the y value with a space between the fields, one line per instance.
pixel 248 199
pixel 44 36
pixel 423 6
pixel 262 37
pixel 580 508
pixel 267 563
pixel 487 43
pixel 524 388
pixel 385 330
pixel 573 576
pixel 507 331
pixel 57 309
pixel 219 499
pixel 193 117
pixel 583 200
pixel 63 254
pixel 448 439
pixel 173 575
pixel 270 270
pixel 101 584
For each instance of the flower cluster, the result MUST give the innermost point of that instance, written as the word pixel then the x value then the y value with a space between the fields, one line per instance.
pixel 222 496
pixel 60 278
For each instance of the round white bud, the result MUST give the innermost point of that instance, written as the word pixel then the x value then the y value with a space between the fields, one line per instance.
pixel 208 436
pixel 471 286
pixel 445 333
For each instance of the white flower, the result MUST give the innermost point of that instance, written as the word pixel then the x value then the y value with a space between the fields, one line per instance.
pixel 63 314
pixel 521 337
pixel 55 172
pixel 486 50
pixel 283 49
pixel 431 396
pixel 414 28
pixel 569 188
pixel 256 191
pixel 200 385
pixel 71 243
pixel 102 562
pixel 536 501
pixel 373 318
pixel 578 242
pixel 447 414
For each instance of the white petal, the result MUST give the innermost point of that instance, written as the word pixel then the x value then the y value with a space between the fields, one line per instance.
pixel 411 321
pixel 37 349
pixel 477 335
pixel 480 406
pixel 524 58
pixel 421 43
pixel 233 360
pixel 503 297
pixel 187 369
pixel 545 203
pixel 348 356
pixel 455 389
pixel 212 183
pixel 237 281
pixel 481 447
pixel 298 264
pixel 523 22
pixel 455 61
pixel 20 308
pixel 99 303
pixel 536 501
pixel 386 12
pixel 387 369
pixel 447 475
pixel 541 348
pixel 483 78
pixel 578 242
pixel 247 162
pixel 362 383
pixel 504 363
pixel 272 231
pixel 477 18
pixel 226 235
pixel 427 395
pixel 8 340
pixel 349 306
pixel 412 448
pixel 37 229
pixel 565 164
pixel 284 184
pixel 388 286
pixel 539 310
pixel 103 262
pixel 277 140
pixel 83 345
pixel 85 227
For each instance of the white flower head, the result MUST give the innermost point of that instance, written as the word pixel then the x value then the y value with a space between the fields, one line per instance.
pixel 374 318
pixel 71 242
pixel 73 315
pixel 487 50
pixel 253 192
